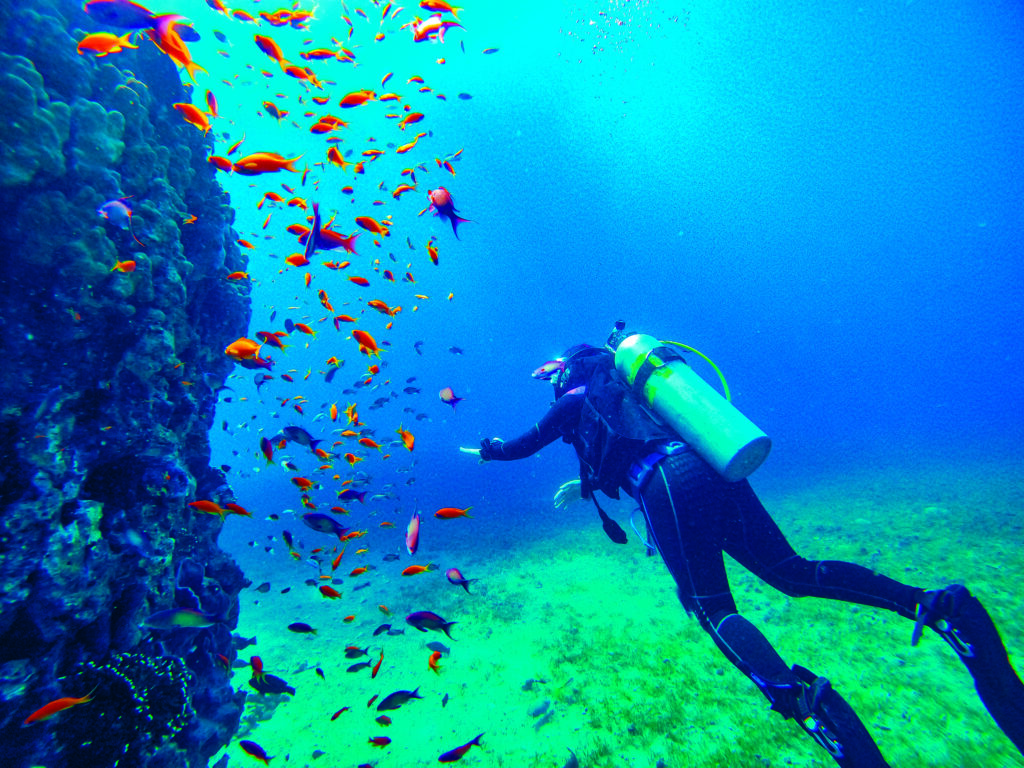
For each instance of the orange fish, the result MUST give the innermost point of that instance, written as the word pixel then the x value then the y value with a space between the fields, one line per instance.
pixel 208 507
pixel 412 117
pixel 359 280
pixel 104 43
pixel 272 49
pixel 329 591
pixel 355 98
pixel 407 438
pixel 57 706
pixel 367 344
pixel 124 266
pixel 368 442
pixel 193 115
pixel 358 571
pixel 238 276
pixel 432 662
pixel 243 349
pixel 297 260
pixel 337 561
pixel 352 459
pixel 412 570
pixel 265 162
pixel 372 225
pixel 450 513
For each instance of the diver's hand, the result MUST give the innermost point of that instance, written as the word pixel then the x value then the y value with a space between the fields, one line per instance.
pixel 474 451
pixel 568 493
pixel 490 448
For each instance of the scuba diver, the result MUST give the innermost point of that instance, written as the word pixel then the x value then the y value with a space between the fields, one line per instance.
pixel 643 422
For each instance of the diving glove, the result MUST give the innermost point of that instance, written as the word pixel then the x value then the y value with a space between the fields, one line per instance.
pixel 490 448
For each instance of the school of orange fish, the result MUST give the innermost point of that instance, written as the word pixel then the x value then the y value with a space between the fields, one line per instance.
pixel 306 95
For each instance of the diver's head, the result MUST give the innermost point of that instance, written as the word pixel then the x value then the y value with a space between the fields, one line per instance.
pixel 560 371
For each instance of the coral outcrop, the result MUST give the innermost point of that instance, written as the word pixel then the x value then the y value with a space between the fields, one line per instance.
pixel 108 385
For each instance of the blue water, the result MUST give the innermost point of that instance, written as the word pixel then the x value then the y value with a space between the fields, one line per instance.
pixel 824 199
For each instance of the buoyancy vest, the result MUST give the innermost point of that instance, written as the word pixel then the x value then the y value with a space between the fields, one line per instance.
pixel 614 429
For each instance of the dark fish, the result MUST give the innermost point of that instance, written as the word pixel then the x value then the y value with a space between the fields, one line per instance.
pixel 330 375
pixel 255 750
pixel 225 467
pixel 320 673
pixel 465 96
pixel 456 350
pixel 424 620
pixel 456 754
pixel 441 648
pixel 239 643
pixel 390 557
pixel 392 632
pixel 289 325
pixel 300 436
pixel 417 346
pixel 410 380
pixel 490 50
pixel 412 390
pixel 324 523
pixel 573 761
pixel 397 699
pixel 381 629
pixel 360 665
pixel 444 701
pixel 223 38
pixel 271 684
pixel 263 588
pixel 300 628
pixel 354 653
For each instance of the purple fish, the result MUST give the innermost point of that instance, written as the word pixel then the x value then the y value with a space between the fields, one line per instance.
pixel 128 15
pixel 324 523
pixel 443 205
pixel 455 577
pixel 424 620
pixel 351 493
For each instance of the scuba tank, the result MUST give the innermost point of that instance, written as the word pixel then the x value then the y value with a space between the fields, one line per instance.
pixel 710 424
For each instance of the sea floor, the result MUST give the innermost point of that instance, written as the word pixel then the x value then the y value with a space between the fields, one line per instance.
pixel 570 642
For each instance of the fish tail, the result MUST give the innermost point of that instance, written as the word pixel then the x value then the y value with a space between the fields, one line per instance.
pixel 131 231
pixel 456 220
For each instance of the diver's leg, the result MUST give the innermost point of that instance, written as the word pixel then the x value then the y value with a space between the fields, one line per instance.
pixel 754 539
pixel 683 513
pixel 962 621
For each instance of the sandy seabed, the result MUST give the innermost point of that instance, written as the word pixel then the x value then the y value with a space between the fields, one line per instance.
pixel 570 642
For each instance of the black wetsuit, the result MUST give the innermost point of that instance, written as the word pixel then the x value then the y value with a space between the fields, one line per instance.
pixel 693 517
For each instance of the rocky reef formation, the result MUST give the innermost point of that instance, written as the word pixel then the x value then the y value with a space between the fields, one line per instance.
pixel 108 384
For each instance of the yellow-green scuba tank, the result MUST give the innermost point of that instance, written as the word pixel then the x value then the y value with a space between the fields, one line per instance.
pixel 661 379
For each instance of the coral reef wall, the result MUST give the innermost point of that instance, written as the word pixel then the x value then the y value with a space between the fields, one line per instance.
pixel 108 382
